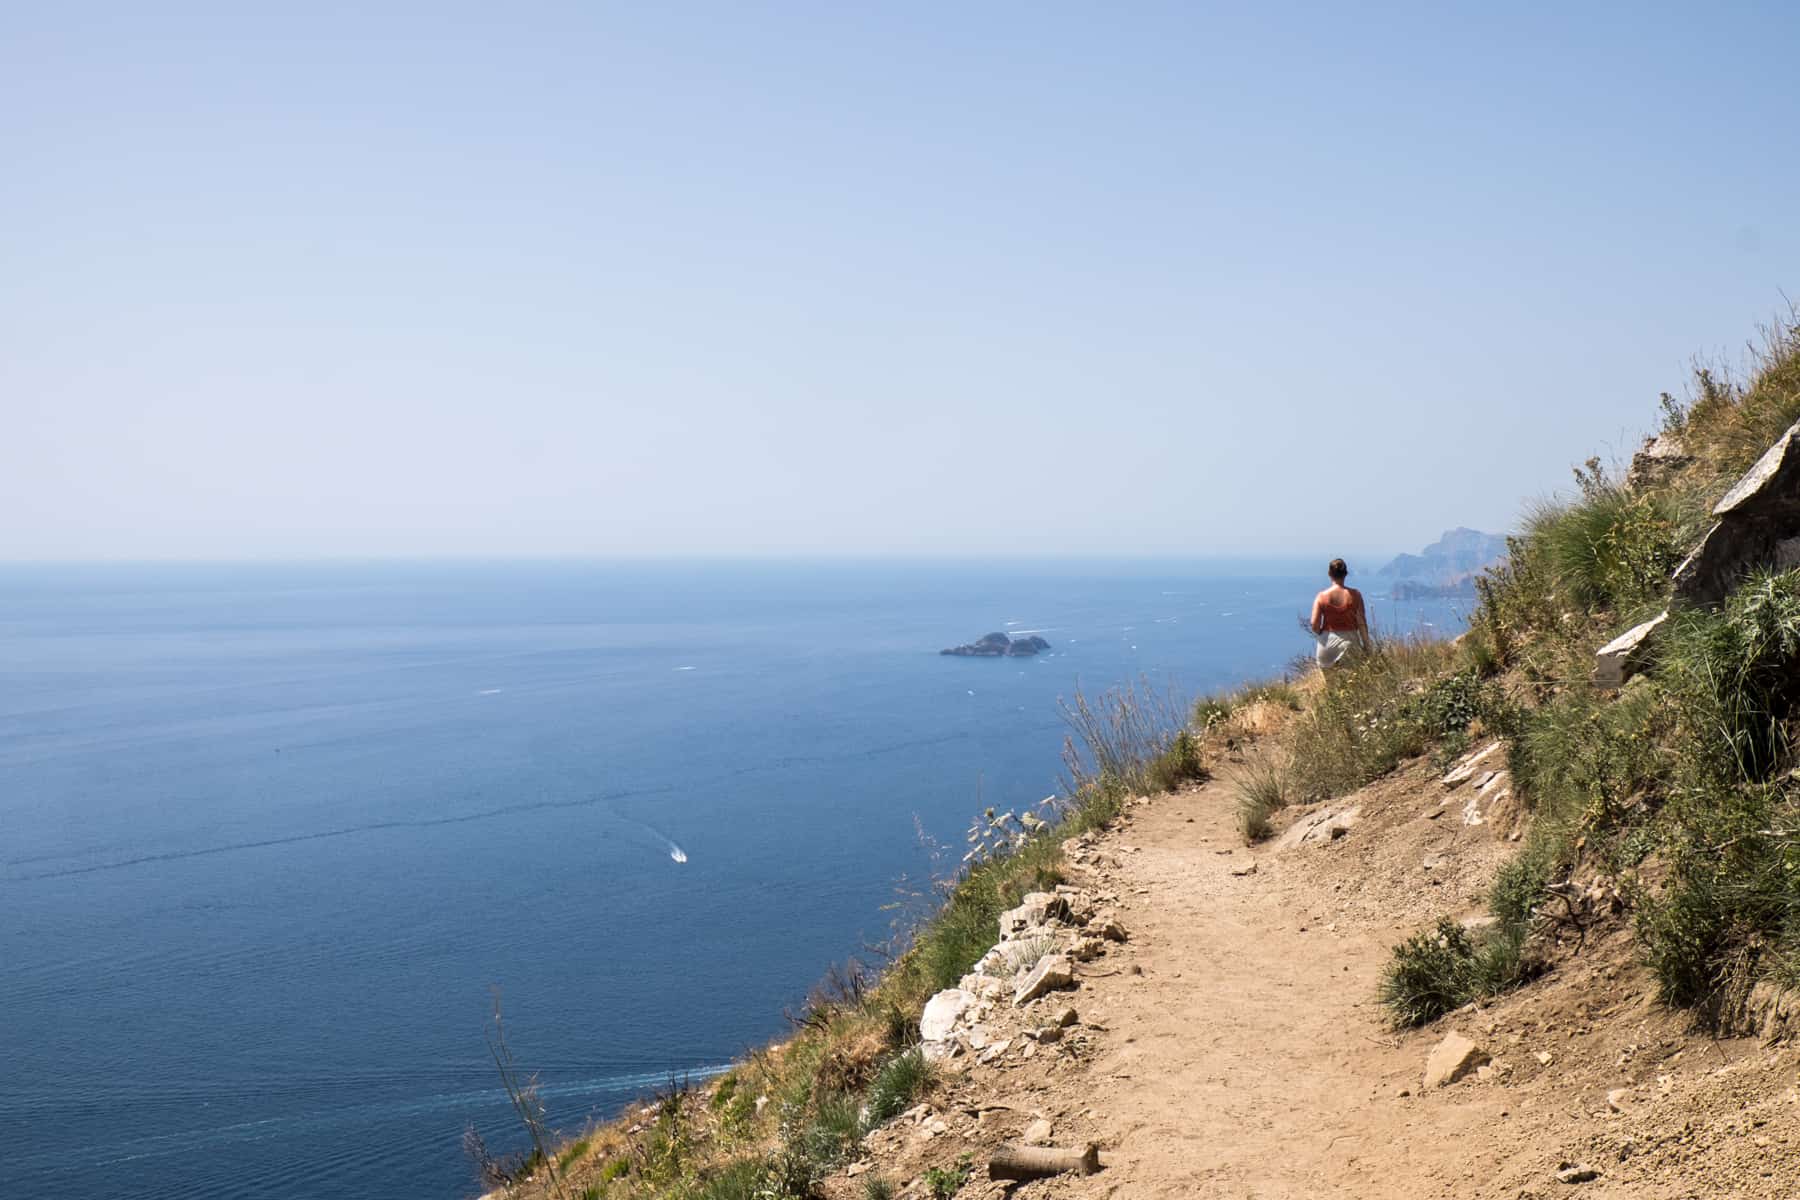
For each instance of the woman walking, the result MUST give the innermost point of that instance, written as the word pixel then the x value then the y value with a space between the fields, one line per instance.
pixel 1338 619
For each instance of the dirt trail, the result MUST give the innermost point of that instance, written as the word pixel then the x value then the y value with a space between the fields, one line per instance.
pixel 1251 1060
pixel 1233 1046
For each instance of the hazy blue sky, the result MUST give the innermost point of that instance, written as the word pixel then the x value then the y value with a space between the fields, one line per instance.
pixel 482 279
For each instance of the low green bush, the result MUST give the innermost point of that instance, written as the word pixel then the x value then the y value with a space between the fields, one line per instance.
pixel 1430 974
pixel 1439 970
pixel 941 1183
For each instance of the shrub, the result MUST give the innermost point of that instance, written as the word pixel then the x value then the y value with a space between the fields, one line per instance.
pixel 1431 973
pixel 876 1187
pixel 1448 706
pixel 1441 969
pixel 1731 907
pixel 1517 888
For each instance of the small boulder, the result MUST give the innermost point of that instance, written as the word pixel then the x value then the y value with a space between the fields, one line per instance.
pixel 1319 828
pixel 1453 1058
pixel 1038 1133
pixel 942 1012
pixel 1620 658
pixel 1037 913
pixel 1576 1173
pixel 1087 949
pixel 1465 768
pixel 1053 971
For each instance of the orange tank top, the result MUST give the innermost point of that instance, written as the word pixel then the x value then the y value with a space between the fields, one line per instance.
pixel 1339 618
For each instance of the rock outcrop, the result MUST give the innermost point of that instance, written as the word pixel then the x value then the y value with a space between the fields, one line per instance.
pixel 1040 942
pixel 1758 525
pixel 998 645
pixel 1660 458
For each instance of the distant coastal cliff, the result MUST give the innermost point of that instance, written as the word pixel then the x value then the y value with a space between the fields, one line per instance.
pixel 1445 569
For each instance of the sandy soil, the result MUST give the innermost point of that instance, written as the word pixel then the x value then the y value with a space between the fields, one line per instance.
pixel 1233 1046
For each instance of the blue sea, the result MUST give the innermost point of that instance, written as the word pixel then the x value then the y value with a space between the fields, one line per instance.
pixel 271 837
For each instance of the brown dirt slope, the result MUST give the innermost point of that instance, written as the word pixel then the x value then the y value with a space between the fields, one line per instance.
pixel 1233 1046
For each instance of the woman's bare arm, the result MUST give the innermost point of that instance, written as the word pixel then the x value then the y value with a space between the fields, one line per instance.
pixel 1318 613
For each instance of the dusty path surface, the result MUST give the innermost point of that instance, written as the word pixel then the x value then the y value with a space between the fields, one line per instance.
pixel 1233 1045
pixel 1256 1062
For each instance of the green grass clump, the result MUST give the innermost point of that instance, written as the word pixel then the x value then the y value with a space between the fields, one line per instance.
pixel 1583 759
pixel 1367 718
pixel 941 1183
pixel 901 1080
pixel 1737 672
pixel 1180 763
pixel 741 1179
pixel 1613 549
pixel 570 1153
pixel 834 1128
pixel 1261 788
pixel 875 1187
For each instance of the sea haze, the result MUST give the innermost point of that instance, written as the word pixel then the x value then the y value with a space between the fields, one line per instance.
pixel 270 836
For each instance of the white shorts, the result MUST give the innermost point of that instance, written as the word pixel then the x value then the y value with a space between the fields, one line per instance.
pixel 1335 647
